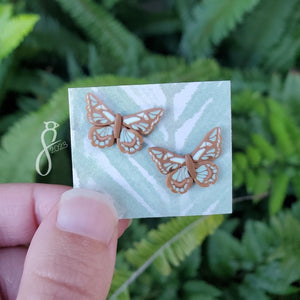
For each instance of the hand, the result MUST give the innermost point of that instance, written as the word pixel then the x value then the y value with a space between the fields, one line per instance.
pixel 72 235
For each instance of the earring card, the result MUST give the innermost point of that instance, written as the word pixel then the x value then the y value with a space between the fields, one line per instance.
pixel 158 149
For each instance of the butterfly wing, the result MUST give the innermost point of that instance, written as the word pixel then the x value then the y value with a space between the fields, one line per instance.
pixel 179 181
pixel 102 136
pixel 143 121
pixel 165 160
pixel 98 113
pixel 207 173
pixel 130 141
pixel 210 147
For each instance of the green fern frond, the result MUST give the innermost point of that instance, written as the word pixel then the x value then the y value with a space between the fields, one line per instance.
pixel 74 69
pixel 109 35
pixel 283 55
pixel 271 161
pixel 154 63
pixel 253 41
pixel 95 62
pixel 201 69
pixel 168 245
pixel 6 73
pixel 253 79
pixel 38 82
pixel 278 193
pixel 172 241
pixel 283 128
pixel 267 151
pixel 119 278
pixel 211 21
pixel 109 4
pixel 197 289
pixel 266 260
pixel 45 38
pixel 17 163
pixel 288 94
pixel 13 29
pixel 291 88
pixel 120 50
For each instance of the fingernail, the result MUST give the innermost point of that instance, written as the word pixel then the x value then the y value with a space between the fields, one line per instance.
pixel 87 213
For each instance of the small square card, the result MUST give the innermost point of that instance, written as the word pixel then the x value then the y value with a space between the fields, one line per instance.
pixel 157 149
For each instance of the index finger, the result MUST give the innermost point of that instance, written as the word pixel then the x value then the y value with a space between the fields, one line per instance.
pixel 22 207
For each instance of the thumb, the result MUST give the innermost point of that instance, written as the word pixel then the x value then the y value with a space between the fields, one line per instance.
pixel 72 254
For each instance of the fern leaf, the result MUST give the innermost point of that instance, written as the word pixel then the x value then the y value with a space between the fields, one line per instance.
pixel 252 79
pixel 221 246
pixel 258 33
pixel 13 29
pixel 45 37
pixel 6 12
pixel 265 148
pixel 196 289
pixel 250 180
pixel 40 83
pixel 169 244
pixel 262 182
pixel 253 155
pixel 109 35
pixel 295 182
pixel 74 69
pixel 174 240
pixel 119 278
pixel 289 95
pixel 277 58
pixel 291 88
pixel 278 193
pixel 256 240
pixel 210 22
pixel 264 263
pixel 241 161
pixel 17 163
pixel 278 125
pixel 238 175
pixel 95 64
pixel 200 69
pixel 5 75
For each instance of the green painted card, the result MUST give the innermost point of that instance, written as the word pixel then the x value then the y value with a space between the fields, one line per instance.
pixel 157 149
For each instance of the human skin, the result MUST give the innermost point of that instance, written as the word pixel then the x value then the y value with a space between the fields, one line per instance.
pixel 55 244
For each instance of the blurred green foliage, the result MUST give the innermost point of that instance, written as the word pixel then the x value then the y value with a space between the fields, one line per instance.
pixel 255 253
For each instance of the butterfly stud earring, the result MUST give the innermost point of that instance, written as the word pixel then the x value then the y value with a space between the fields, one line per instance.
pixel 197 167
pixel 127 131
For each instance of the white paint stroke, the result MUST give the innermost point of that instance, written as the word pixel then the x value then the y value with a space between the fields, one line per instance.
pixel 185 211
pixel 184 131
pixel 220 83
pixel 151 180
pixel 117 176
pixel 163 130
pixel 183 97
pixel 211 208
pixel 147 97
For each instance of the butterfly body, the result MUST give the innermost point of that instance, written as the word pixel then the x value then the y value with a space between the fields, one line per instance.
pixel 126 131
pixel 118 126
pixel 197 167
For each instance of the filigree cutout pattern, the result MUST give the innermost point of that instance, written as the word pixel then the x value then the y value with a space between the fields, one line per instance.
pixel 127 131
pixel 197 167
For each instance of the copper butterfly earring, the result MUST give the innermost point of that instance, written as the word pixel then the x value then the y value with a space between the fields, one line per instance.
pixel 197 167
